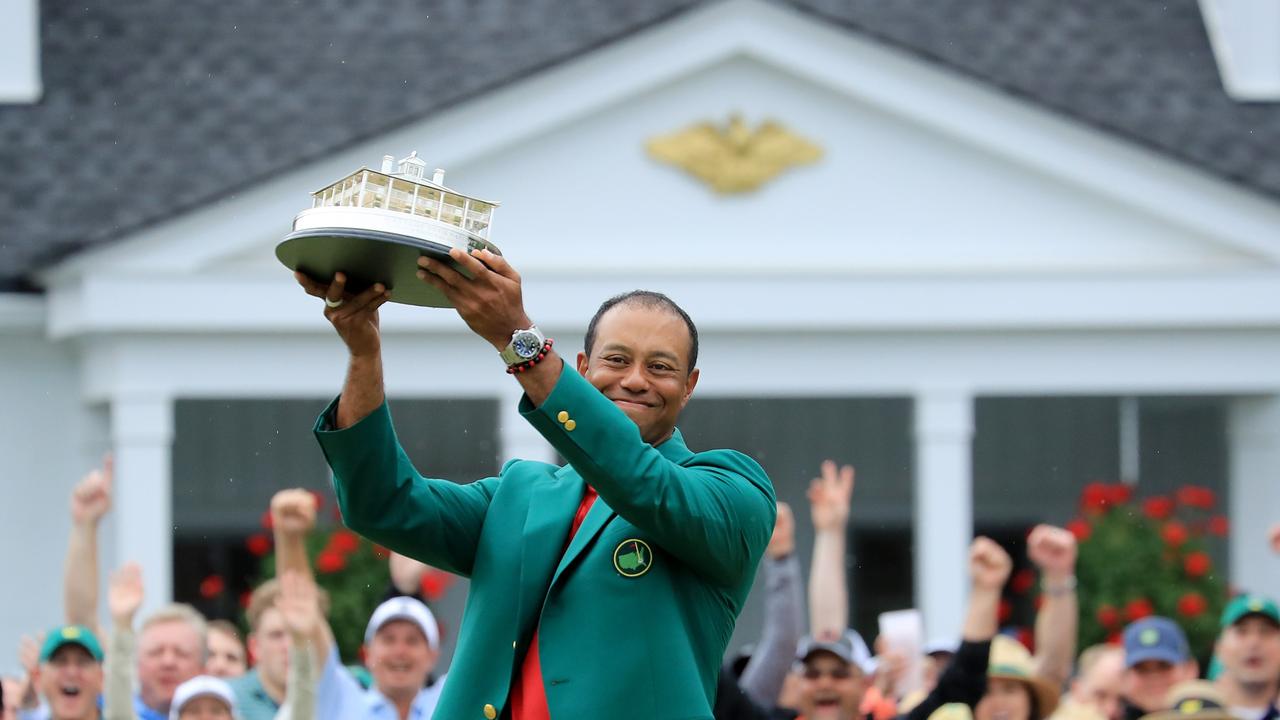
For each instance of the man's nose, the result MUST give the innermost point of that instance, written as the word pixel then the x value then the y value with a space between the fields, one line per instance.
pixel 634 378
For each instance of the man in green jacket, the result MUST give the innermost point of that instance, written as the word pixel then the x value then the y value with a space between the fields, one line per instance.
pixel 607 587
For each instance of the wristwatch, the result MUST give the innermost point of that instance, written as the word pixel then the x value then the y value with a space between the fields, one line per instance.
pixel 524 346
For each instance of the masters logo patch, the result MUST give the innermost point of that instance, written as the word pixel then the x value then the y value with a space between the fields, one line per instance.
pixel 632 558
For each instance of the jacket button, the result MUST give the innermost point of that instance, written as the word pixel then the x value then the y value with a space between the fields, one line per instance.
pixel 490 712
pixel 563 416
pixel 570 425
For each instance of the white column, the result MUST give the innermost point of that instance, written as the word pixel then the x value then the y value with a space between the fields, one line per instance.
pixel 516 437
pixel 142 438
pixel 943 506
pixel 1254 430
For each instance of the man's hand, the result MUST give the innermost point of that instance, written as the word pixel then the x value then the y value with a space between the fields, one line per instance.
pixel 783 541
pixel 830 496
pixel 356 319
pixel 989 565
pixel 299 603
pixel 293 512
pixel 406 573
pixel 91 498
pixel 1053 550
pixel 125 594
pixel 489 301
pixel 1275 539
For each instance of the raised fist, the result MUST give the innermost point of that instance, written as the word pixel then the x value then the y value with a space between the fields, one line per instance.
pixel 783 541
pixel 989 564
pixel 830 496
pixel 91 498
pixel 1053 550
pixel 293 512
pixel 125 594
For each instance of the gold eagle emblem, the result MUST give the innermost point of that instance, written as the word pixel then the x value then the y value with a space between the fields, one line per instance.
pixel 734 158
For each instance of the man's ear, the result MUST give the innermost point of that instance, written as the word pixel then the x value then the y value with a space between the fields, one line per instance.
pixel 582 364
pixel 688 388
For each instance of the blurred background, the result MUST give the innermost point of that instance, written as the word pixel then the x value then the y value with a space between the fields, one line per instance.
pixel 1017 262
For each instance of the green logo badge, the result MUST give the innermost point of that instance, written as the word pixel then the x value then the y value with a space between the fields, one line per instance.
pixel 1255 605
pixel 1149 637
pixel 1191 705
pixel 632 558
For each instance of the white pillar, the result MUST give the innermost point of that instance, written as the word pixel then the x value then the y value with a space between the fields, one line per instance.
pixel 516 437
pixel 1254 431
pixel 142 438
pixel 943 506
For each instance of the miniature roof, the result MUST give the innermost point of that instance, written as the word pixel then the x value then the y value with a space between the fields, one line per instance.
pixel 135 91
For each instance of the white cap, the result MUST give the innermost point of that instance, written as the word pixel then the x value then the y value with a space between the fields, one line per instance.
pixel 405 608
pixel 199 686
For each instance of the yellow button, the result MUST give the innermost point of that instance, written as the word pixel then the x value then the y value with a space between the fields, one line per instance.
pixel 570 425
pixel 563 416
pixel 490 712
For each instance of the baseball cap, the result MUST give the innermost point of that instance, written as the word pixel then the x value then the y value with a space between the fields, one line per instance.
pixel 1193 700
pixel 941 645
pixel 1242 606
pixel 405 608
pixel 70 635
pixel 849 647
pixel 201 686
pixel 1155 638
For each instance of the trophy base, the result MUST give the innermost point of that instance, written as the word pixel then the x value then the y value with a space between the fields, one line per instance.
pixel 367 257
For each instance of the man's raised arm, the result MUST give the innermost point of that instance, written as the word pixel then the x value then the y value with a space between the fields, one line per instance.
pixel 90 501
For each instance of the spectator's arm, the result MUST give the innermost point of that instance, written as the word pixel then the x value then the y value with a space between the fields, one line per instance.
pixel 783 615
pixel 29 656
pixel 124 597
pixel 406 574
pixel 1053 550
pixel 299 604
pixel 90 501
pixel 338 695
pixel 293 516
pixel 829 500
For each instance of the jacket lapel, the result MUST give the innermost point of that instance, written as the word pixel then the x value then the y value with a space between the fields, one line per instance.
pixel 551 508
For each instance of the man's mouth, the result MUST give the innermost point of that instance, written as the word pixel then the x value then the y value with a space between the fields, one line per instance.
pixel 70 690
pixel 630 403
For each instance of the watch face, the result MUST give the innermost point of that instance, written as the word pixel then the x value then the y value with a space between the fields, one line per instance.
pixel 526 345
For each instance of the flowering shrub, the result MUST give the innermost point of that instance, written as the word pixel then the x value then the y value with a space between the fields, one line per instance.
pixel 1148 558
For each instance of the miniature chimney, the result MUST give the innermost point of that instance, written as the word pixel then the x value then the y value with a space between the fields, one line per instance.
pixel 1245 35
pixel 388 164
pixel 438 177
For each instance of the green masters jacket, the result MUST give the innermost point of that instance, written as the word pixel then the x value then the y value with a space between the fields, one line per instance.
pixel 633 616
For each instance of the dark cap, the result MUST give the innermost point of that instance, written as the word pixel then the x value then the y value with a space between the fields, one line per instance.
pixel 849 647
pixel 1155 638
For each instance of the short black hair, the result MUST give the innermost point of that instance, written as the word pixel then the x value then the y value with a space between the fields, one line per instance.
pixel 646 299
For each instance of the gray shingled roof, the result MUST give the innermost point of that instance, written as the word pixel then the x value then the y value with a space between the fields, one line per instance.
pixel 137 92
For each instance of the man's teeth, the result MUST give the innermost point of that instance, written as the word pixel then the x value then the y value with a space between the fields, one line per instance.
pixel 70 690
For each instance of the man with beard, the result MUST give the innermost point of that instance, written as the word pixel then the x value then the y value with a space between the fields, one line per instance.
pixel 1249 650
pixel 70 673
pixel 1156 657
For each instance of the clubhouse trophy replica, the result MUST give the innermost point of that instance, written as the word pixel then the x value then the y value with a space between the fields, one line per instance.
pixel 374 225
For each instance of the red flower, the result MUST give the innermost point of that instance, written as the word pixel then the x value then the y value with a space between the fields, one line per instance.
pixel 245 597
pixel 319 499
pixel 1138 609
pixel 1119 494
pixel 1006 611
pixel 1022 581
pixel 259 544
pixel 1038 602
pixel 1174 534
pixel 329 562
pixel 1093 500
pixel 1115 638
pixel 211 587
pixel 1219 525
pixel 1027 638
pixel 1157 508
pixel 1080 528
pixel 1196 564
pixel 1196 497
pixel 265 521
pixel 1108 616
pixel 344 542
pixel 435 583
pixel 1192 605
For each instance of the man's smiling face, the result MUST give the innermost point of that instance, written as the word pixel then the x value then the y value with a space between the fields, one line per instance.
pixel 71 681
pixel 640 361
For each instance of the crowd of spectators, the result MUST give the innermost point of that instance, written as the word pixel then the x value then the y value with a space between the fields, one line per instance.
pixel 807 663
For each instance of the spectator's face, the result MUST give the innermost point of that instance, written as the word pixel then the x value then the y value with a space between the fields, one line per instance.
pixel 226 656
pixel 71 681
pixel 270 643
pixel 831 688
pixel 1099 688
pixel 1148 683
pixel 169 654
pixel 1005 700
pixel 399 658
pixel 640 361
pixel 1250 650
pixel 205 708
